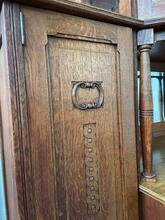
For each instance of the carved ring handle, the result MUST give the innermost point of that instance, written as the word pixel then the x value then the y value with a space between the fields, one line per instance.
pixel 87 85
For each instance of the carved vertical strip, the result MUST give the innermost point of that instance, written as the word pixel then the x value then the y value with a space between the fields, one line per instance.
pixel 93 206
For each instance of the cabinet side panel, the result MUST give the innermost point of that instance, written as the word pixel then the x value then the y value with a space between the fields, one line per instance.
pixel 10 128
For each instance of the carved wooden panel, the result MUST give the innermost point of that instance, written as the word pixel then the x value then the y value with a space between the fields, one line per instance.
pixel 84 61
pixel 61 139
pixel 91 166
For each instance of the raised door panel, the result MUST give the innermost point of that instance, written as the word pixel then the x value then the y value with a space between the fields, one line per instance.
pixel 86 173
pixel 76 154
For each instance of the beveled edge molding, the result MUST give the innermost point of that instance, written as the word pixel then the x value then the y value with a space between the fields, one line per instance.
pixel 91 12
pixel 154 23
pixel 152 194
pixel 112 41
pixel 84 10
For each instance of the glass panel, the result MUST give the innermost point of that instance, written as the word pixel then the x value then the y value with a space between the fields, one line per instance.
pixel 156 100
pixel 112 5
pixel 158 94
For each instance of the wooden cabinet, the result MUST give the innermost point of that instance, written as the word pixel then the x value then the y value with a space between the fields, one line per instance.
pixel 67 105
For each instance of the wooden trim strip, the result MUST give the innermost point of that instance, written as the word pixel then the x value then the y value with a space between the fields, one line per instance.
pixel 10 119
pixel 157 23
pixel 152 194
pixel 91 12
pixel 84 10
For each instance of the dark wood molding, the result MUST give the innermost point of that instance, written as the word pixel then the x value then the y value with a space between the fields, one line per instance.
pixel 91 12
pixel 157 23
pixel 87 11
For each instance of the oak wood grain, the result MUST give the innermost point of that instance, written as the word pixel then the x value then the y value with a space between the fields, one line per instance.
pixel 72 49
pixel 85 10
pixel 46 138
pixel 10 129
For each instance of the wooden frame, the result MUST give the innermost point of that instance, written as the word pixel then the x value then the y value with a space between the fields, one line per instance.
pixel 15 195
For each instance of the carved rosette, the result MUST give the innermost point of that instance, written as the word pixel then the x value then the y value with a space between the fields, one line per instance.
pixel 93 200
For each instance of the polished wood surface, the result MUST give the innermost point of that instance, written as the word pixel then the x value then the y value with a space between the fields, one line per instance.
pixel 157 190
pixel 157 23
pixel 54 131
pixel 47 139
pixel 85 10
pixel 150 208
pixel 88 11
pixel 10 131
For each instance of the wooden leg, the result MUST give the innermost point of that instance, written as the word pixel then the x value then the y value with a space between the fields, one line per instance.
pixel 146 113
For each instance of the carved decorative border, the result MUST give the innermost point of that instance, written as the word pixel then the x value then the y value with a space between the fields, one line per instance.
pixel 93 198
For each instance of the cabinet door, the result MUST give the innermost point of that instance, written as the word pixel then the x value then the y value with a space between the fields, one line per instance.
pixel 78 119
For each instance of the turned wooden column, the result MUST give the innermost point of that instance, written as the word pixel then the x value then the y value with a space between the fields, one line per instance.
pixel 146 113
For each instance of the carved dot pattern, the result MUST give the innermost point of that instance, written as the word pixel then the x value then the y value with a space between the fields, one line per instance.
pixel 93 200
